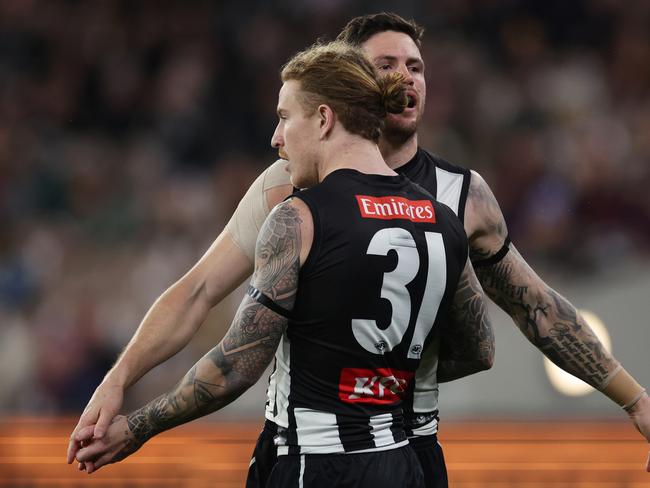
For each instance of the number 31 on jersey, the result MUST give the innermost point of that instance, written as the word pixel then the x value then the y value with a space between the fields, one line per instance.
pixel 393 289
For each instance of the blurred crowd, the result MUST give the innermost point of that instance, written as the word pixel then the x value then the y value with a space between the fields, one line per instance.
pixel 129 131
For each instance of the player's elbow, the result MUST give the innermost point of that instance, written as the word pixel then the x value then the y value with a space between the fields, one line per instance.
pixel 487 355
pixel 487 362
pixel 482 363
pixel 488 347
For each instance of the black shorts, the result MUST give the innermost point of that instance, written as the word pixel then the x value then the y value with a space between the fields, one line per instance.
pixel 264 457
pixel 395 468
pixel 429 452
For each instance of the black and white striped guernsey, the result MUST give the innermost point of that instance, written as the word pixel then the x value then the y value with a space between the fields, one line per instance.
pixel 383 267
pixel 449 184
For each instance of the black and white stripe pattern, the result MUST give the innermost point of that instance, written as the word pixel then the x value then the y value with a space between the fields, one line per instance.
pixel 318 432
pixel 449 188
pixel 279 386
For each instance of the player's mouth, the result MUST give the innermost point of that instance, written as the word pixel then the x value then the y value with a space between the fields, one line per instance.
pixel 411 100
pixel 283 155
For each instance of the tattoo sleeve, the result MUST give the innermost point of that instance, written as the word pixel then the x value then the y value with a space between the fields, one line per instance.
pixel 467 342
pixel 547 319
pixel 238 361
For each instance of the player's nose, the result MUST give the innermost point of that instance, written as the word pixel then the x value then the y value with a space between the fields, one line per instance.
pixel 406 72
pixel 276 139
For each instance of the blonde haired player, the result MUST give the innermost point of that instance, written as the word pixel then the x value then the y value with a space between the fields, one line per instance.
pixel 392 44
pixel 327 261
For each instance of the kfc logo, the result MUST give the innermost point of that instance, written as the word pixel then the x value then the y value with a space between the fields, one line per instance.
pixel 388 208
pixel 378 386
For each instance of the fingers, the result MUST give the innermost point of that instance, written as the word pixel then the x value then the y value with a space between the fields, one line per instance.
pixel 88 418
pixel 73 447
pixel 89 467
pixel 103 461
pixel 90 452
pixel 85 434
pixel 77 440
pixel 104 421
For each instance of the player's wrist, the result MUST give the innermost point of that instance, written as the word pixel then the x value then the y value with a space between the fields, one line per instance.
pixel 624 389
pixel 115 378
pixel 641 401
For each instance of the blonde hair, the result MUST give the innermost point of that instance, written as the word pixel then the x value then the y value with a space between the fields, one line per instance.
pixel 339 75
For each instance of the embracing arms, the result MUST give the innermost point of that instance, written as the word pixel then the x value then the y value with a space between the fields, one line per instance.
pixel 238 361
pixel 179 312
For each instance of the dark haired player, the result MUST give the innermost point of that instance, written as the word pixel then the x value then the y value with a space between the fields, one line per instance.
pixel 354 277
pixel 392 44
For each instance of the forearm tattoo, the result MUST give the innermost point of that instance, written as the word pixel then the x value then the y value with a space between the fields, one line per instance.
pixel 467 343
pixel 241 357
pixel 547 319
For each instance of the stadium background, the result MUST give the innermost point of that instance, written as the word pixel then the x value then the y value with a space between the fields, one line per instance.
pixel 129 131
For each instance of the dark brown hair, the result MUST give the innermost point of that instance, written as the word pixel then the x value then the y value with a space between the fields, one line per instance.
pixel 362 28
pixel 339 75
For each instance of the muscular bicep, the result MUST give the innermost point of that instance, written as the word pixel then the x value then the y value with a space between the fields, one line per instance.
pixel 484 221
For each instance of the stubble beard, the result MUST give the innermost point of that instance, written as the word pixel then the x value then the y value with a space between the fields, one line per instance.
pixel 398 133
pixel 305 177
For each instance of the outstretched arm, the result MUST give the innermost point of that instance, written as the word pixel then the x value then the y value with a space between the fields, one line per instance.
pixel 180 311
pixel 467 343
pixel 236 363
pixel 546 318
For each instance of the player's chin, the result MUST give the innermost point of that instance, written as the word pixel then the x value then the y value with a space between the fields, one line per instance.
pixel 302 181
pixel 295 180
pixel 402 126
pixel 405 119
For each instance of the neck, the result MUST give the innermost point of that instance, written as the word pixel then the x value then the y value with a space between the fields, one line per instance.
pixel 397 153
pixel 353 152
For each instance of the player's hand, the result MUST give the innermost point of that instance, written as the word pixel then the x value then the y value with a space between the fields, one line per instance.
pixel 640 416
pixel 104 405
pixel 117 443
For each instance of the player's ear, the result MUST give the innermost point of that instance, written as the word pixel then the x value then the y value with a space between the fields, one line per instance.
pixel 326 119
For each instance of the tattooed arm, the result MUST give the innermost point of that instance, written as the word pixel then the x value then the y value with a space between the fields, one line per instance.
pixel 238 361
pixel 181 310
pixel 467 343
pixel 546 318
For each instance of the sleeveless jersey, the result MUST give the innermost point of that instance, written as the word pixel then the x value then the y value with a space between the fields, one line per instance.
pixel 449 184
pixel 380 276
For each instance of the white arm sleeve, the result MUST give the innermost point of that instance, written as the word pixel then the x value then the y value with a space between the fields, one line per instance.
pixel 247 220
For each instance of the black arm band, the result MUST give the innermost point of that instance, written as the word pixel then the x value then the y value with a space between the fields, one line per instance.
pixel 262 299
pixel 495 258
